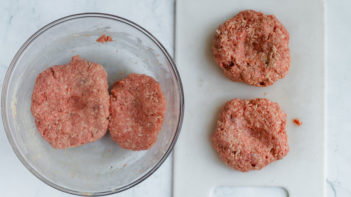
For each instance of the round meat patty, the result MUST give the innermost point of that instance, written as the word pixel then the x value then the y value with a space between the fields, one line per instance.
pixel 70 103
pixel 137 111
pixel 251 134
pixel 252 48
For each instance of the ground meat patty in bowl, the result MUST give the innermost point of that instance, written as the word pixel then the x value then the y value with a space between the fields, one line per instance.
pixel 137 111
pixel 70 103
pixel 252 48
pixel 251 134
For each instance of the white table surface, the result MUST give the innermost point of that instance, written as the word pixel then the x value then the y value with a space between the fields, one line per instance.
pixel 21 18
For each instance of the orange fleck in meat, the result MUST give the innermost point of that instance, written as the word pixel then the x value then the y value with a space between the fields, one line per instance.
pixel 297 122
pixel 102 39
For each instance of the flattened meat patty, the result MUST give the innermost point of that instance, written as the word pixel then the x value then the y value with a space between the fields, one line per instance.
pixel 137 111
pixel 251 134
pixel 70 103
pixel 252 48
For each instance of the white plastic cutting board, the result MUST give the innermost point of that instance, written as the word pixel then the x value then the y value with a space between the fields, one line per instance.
pixel 197 169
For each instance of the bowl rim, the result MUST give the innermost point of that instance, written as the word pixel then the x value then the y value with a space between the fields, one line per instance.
pixel 23 48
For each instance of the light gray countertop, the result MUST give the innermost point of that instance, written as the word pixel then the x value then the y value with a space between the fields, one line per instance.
pixel 19 19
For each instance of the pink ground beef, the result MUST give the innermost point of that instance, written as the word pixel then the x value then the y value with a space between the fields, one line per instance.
pixel 251 134
pixel 137 112
pixel 103 38
pixel 70 103
pixel 252 48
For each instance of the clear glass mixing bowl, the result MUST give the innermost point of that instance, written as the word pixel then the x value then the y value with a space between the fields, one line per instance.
pixel 101 167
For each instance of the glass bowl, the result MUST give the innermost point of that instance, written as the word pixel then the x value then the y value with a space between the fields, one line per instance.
pixel 102 167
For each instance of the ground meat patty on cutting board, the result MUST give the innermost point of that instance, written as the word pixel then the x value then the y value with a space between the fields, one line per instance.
pixel 251 134
pixel 252 48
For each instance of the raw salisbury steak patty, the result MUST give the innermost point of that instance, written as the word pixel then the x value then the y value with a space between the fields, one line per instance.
pixel 137 111
pixel 253 48
pixel 251 134
pixel 70 103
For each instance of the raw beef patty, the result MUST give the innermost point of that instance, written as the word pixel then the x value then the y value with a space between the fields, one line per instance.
pixel 70 103
pixel 137 111
pixel 252 48
pixel 251 134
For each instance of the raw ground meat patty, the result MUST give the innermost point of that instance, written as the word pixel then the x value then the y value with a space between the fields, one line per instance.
pixel 137 112
pixel 251 134
pixel 70 103
pixel 252 48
